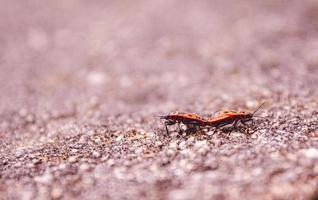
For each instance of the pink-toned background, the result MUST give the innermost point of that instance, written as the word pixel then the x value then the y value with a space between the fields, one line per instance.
pixel 81 82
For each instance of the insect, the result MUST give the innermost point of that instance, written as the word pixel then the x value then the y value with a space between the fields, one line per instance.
pixel 232 117
pixel 189 119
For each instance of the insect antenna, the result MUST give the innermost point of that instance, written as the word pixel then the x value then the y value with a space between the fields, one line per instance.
pixel 160 116
pixel 258 108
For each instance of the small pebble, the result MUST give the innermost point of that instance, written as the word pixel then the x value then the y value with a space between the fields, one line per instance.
pixel 190 140
pixel 19 153
pixel 210 133
pixel 45 179
pixel 311 153
pixel 84 167
pixel 151 135
pixel 182 145
pixel 56 192
pixel 171 152
pixel 62 166
pixel 36 161
pixel 72 159
pixel 97 140
pixel 173 145
pixel 158 144
pixel 96 154
pixel 110 162
pixel 119 138
pixel 96 78
pixel 23 112
pixel 18 164
pixel 90 132
pixel 74 151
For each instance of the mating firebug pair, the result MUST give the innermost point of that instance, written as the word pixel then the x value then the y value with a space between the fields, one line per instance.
pixel 218 121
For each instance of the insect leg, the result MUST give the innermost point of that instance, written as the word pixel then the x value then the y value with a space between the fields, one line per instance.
pixel 246 125
pixel 166 125
pixel 190 127
pixel 234 126
pixel 169 123
pixel 180 130
pixel 217 127
pixel 167 128
pixel 223 123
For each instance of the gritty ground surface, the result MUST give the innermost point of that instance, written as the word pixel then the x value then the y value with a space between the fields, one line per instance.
pixel 81 82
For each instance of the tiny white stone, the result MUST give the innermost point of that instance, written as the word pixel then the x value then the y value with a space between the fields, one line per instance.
pixel 57 192
pixel 209 133
pixel 110 162
pixel 90 132
pixel 72 159
pixel 45 179
pixel 62 166
pixel 97 140
pixel 29 118
pixel 170 152
pixel 105 158
pixel 19 153
pixel 202 150
pixel 96 78
pixel 182 145
pixel 74 151
pixel 23 112
pixel 36 161
pixel 119 138
pixel 151 135
pixel 190 140
pixel 18 164
pixel 173 145
pixel 83 139
pixel 185 152
pixel 119 173
pixel 199 144
pixel 84 167
pixel 138 151
pixel 251 104
pixel 311 153
pixel 96 154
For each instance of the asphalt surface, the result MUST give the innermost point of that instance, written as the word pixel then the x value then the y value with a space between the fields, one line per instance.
pixel 82 81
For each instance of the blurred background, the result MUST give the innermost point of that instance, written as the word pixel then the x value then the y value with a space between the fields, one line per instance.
pixel 65 64
pixel 131 54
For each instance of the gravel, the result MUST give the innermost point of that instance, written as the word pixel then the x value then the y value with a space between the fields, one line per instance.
pixel 82 83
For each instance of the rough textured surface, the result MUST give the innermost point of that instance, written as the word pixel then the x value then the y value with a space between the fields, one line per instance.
pixel 81 82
